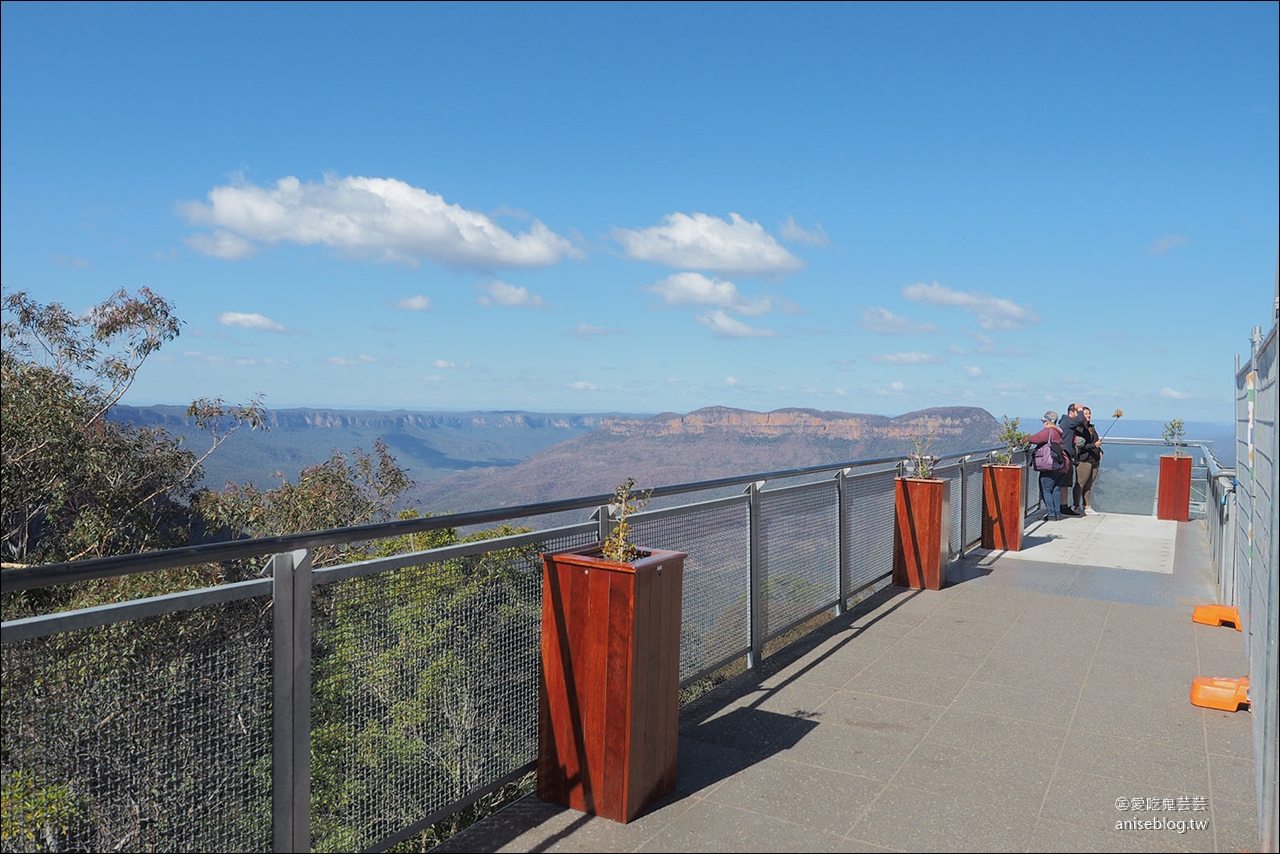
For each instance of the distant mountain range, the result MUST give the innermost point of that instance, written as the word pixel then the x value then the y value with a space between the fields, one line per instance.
pixel 706 444
pixel 476 460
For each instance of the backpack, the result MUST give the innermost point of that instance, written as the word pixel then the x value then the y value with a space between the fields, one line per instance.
pixel 1049 456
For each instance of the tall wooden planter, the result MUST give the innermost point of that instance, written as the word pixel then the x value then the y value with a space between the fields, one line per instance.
pixel 609 694
pixel 1002 507
pixel 921 532
pixel 1173 499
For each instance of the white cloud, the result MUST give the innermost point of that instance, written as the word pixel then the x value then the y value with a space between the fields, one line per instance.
pixel 582 385
pixel 992 312
pixel 697 289
pixel 444 364
pixel 339 361
pixel 732 381
pixel 380 218
pixel 725 326
pixel 500 293
pixel 1175 394
pixel 249 321
pixel 973 371
pixel 793 233
pixel 222 244
pixel 893 388
pixel 418 303
pixel 907 359
pixel 885 322
pixel 1164 244
pixel 703 242
pixel 586 331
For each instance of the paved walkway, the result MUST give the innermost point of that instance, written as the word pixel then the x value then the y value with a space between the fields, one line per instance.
pixel 1013 710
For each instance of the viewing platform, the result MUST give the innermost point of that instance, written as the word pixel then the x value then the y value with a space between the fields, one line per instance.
pixel 1039 702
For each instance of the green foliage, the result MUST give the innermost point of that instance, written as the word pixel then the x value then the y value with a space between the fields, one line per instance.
pixel 618 546
pixel 347 489
pixel 75 484
pixel 1014 440
pixel 35 815
pixel 1174 433
pixel 412 666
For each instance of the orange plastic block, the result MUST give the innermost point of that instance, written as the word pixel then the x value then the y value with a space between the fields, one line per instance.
pixel 1216 692
pixel 1216 615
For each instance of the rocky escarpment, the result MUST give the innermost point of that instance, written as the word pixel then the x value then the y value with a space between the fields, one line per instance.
pixel 707 444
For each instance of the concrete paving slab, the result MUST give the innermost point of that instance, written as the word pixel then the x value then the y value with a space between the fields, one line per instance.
pixel 1109 540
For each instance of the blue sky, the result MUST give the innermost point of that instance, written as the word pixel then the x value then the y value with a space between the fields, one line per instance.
pixel 642 208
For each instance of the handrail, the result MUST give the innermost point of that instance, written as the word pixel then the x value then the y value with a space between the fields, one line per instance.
pixel 52 574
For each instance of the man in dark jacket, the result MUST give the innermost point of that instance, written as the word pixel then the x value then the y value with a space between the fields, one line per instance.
pixel 1070 424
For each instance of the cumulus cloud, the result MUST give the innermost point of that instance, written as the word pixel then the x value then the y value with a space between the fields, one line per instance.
pixel 703 242
pixel 1175 394
pixel 1164 244
pixel 992 312
pixel 384 219
pixel 727 327
pixel 582 385
pixel 893 388
pixel 907 359
pixel 974 371
pixel 249 321
pixel 884 322
pixel 500 293
pixel 697 289
pixel 793 233
pixel 732 381
pixel 418 303
pixel 443 363
pixel 586 331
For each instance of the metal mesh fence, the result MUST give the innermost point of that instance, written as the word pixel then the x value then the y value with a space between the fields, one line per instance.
pixel 972 504
pixel 714 625
pixel 800 552
pixel 1256 413
pixel 425 687
pixel 147 735
pixel 868 526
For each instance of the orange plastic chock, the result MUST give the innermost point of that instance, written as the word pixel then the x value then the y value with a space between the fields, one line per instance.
pixel 1216 692
pixel 1216 615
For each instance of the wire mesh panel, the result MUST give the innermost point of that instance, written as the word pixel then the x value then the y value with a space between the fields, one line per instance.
pixel 972 504
pixel 1255 467
pixel 716 537
pixel 868 526
pixel 800 552
pixel 424 688
pixel 146 735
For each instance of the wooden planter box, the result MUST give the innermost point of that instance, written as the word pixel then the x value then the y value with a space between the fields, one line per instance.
pixel 1002 507
pixel 921 532
pixel 1173 499
pixel 609 695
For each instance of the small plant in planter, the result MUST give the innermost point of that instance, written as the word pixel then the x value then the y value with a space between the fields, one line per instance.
pixel 1014 440
pixel 921 521
pixel 1173 494
pixel 1174 433
pixel 619 546
pixel 1002 499
pixel 608 701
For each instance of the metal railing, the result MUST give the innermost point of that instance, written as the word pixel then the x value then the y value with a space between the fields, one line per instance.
pixel 350 707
